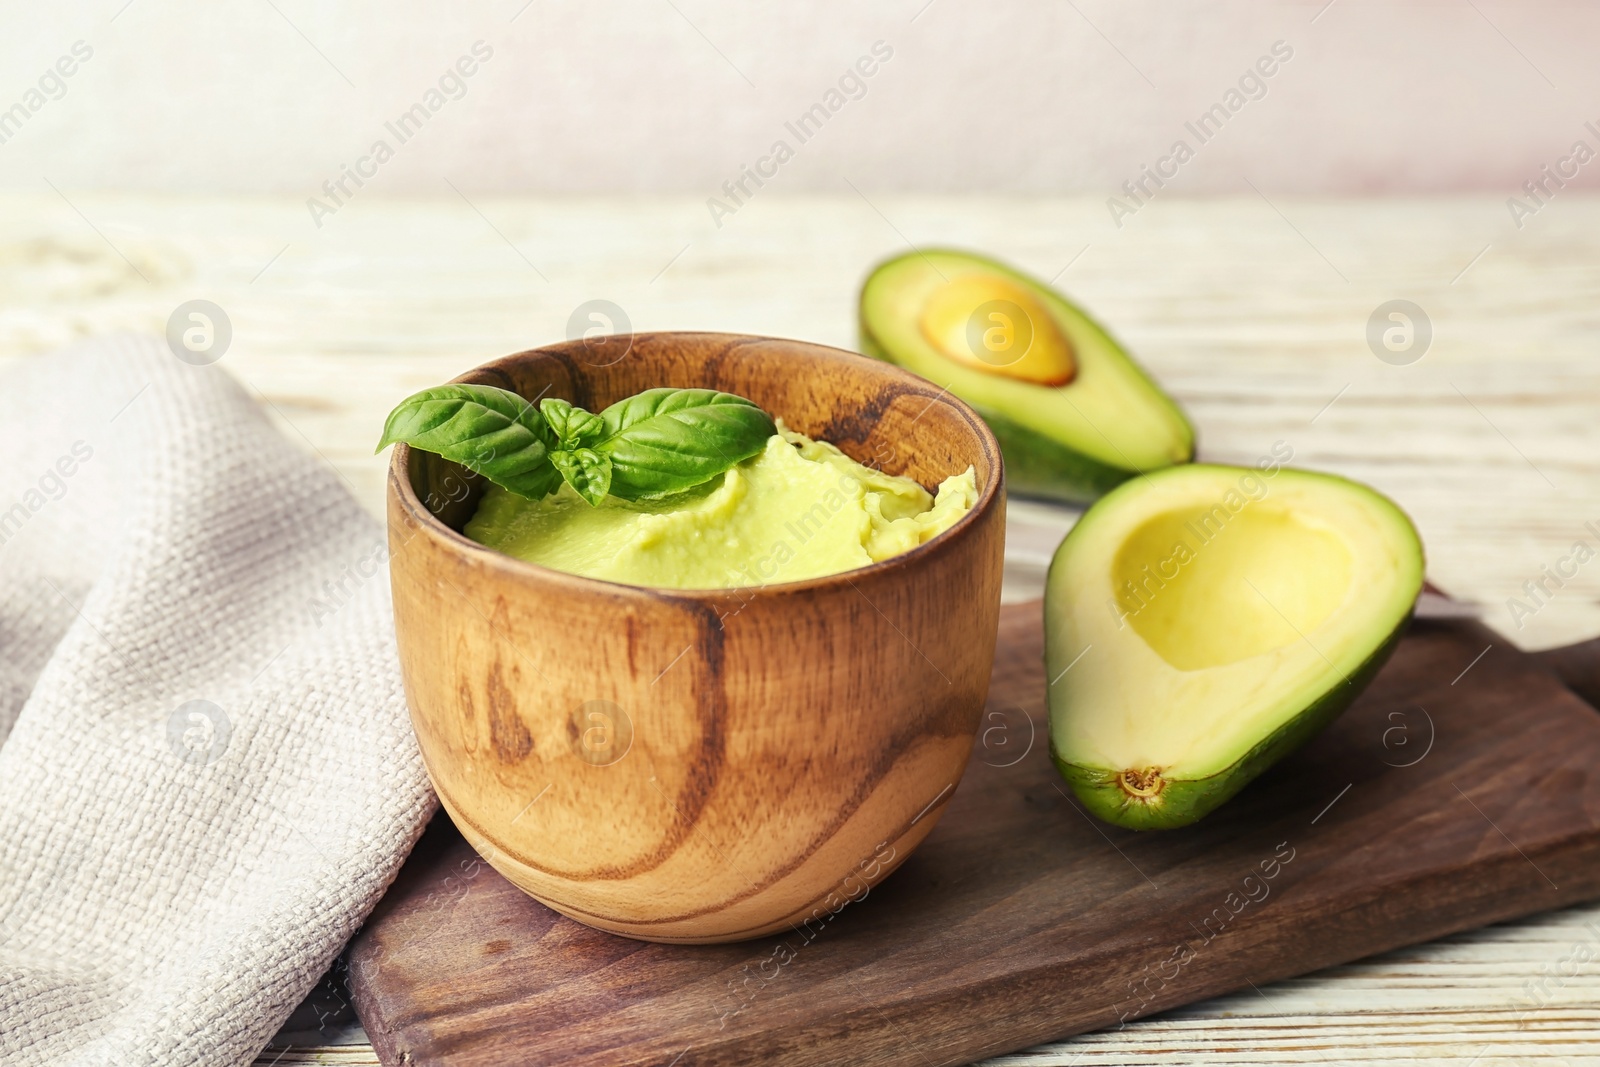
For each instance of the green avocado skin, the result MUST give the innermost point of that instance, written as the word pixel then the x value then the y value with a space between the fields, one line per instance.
pixel 1184 802
pixel 1036 465
pixel 1039 467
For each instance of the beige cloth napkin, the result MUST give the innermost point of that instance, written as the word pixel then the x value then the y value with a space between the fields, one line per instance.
pixel 207 777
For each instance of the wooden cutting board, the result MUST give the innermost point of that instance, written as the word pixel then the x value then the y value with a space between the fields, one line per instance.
pixel 1461 790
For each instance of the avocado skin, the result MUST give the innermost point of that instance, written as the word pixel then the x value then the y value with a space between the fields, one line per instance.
pixel 1184 802
pixel 1039 467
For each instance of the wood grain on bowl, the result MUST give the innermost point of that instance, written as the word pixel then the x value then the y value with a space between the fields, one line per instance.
pixel 702 765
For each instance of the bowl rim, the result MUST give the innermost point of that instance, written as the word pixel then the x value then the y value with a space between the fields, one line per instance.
pixel 400 490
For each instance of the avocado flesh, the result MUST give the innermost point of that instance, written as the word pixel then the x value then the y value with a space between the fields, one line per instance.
pixel 1204 621
pixel 1069 442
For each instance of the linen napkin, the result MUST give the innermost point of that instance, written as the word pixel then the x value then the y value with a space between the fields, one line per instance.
pixel 207 776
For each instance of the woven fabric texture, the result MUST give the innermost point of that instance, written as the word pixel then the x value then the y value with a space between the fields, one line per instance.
pixel 207 777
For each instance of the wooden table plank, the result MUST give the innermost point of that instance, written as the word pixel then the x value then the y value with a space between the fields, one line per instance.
pixel 1256 320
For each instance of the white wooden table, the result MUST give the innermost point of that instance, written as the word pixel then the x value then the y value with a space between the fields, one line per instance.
pixel 1253 313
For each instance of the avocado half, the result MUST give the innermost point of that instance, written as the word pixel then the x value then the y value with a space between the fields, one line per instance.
pixel 1075 416
pixel 1204 621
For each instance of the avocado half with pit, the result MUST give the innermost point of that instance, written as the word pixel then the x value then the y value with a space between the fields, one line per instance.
pixel 1075 416
pixel 1204 621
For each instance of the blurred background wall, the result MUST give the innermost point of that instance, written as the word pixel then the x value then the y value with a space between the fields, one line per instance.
pixel 680 95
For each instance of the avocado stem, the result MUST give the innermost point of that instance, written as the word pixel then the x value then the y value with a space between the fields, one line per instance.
pixel 1142 782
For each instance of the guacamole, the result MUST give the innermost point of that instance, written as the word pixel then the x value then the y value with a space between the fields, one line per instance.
pixel 798 509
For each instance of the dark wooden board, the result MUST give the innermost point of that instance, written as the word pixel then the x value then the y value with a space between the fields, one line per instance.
pixel 1441 801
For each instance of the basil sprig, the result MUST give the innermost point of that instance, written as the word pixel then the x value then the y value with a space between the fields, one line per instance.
pixel 654 444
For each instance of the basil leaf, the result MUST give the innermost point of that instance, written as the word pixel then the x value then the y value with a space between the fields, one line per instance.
pixel 588 472
pixel 492 432
pixel 573 425
pixel 664 441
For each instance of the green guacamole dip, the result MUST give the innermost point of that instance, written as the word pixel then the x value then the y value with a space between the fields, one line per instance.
pixel 800 509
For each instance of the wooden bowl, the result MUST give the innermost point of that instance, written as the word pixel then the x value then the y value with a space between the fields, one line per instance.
pixel 702 765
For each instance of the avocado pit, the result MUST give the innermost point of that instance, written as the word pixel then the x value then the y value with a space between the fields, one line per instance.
pixel 991 324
